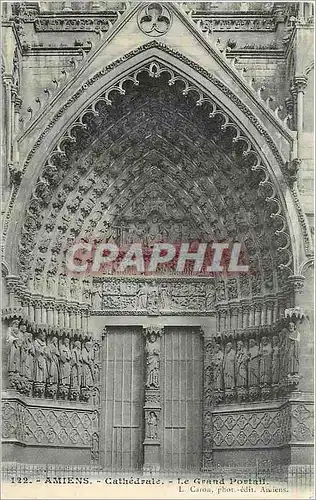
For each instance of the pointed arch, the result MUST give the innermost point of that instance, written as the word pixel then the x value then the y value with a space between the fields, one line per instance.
pixel 157 59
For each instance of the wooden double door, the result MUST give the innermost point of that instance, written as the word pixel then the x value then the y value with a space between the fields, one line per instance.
pixel 122 420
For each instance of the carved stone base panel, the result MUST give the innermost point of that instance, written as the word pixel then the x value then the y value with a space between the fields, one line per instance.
pixel 152 458
pixel 49 424
pixel 302 422
pixel 252 428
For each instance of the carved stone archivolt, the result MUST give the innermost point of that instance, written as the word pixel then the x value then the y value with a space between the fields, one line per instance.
pixel 280 230
pixel 93 198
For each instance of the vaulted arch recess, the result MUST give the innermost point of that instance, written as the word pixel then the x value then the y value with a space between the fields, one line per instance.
pixel 161 151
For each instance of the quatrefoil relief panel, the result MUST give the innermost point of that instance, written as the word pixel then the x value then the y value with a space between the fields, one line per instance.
pixel 154 19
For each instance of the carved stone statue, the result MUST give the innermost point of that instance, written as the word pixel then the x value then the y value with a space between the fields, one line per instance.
pixel 65 367
pixel 53 367
pixel 51 283
pixel 62 286
pixel 38 282
pixel 265 354
pixel 76 369
pixel 74 289
pixel 229 367
pixel 87 371
pixel 275 365
pixel 152 426
pixel 209 297
pixel 293 350
pixel 153 298
pixel 241 362
pixel 217 362
pixel 14 339
pixel 40 365
pixel 97 296
pixel 27 361
pixel 141 297
pixel 253 364
pixel 165 296
pixel 283 355
pixel 86 291
pixel 152 361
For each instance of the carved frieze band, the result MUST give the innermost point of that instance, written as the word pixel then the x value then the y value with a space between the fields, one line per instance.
pixel 74 23
pixel 235 23
pixel 264 428
pixel 302 422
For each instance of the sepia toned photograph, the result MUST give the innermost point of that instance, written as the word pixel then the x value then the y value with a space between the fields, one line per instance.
pixel 157 249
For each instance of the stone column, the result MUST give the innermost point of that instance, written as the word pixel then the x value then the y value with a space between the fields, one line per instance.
pixel 50 313
pixel 12 284
pixel 300 82
pixel 207 453
pixel 152 406
pixel 302 290
pixel 8 86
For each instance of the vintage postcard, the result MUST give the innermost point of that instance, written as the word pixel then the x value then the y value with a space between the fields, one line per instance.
pixel 157 249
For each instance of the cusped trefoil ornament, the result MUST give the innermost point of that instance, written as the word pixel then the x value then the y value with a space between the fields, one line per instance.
pixel 154 19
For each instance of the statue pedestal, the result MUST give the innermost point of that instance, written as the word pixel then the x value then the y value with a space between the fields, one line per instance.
pixel 151 455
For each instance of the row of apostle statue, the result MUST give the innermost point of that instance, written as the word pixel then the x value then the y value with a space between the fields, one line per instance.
pixel 54 367
pixel 249 365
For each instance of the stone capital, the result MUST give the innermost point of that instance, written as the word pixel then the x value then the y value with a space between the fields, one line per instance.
pixel 295 313
pixel 296 282
pixel 300 82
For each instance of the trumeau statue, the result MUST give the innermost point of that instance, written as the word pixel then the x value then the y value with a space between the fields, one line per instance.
pixel 152 361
